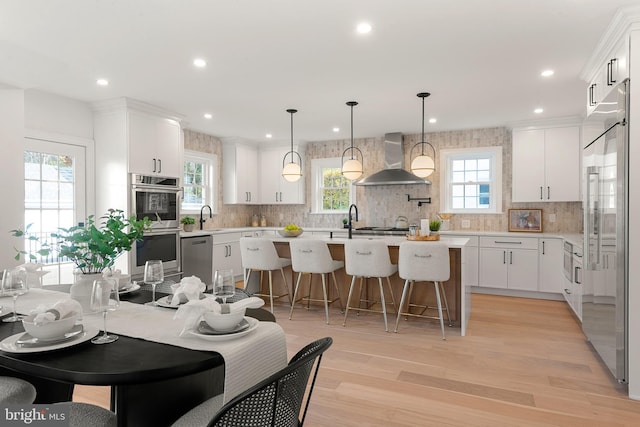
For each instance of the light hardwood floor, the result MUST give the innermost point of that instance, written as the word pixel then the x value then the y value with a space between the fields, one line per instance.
pixel 524 362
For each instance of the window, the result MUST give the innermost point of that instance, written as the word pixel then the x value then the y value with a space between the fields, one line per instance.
pixel 198 181
pixel 471 180
pixel 54 189
pixel 331 192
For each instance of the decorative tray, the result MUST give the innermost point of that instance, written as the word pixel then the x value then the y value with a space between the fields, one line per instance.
pixel 424 238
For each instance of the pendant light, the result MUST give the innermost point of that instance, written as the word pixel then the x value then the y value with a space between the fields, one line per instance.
pixel 423 165
pixel 352 168
pixel 292 171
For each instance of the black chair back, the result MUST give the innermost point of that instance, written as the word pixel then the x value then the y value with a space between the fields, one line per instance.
pixel 276 401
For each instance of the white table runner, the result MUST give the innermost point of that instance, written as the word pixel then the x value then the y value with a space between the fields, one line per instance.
pixel 248 359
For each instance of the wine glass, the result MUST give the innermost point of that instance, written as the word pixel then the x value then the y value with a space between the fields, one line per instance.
pixel 153 274
pixel 223 284
pixel 104 298
pixel 14 283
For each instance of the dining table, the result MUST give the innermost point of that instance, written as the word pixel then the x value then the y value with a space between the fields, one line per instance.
pixel 155 373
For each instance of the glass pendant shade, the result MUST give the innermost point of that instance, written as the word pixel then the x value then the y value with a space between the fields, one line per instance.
pixel 292 172
pixel 352 169
pixel 422 166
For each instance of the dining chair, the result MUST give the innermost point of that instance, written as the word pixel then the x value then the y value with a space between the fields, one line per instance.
pixel 275 401
pixel 259 254
pixel 424 262
pixel 88 415
pixel 312 256
pixel 15 391
pixel 366 259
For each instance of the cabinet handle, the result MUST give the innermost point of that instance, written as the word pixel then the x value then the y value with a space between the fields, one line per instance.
pixel 612 62
pixel 507 243
pixel 154 165
pixel 567 291
pixel 540 192
pixel 576 275
pixel 592 100
pixel 548 193
pixel 229 250
pixel 510 257
pixel 543 247
pixel 159 165
pixel 276 196
pixel 504 257
pixel 281 196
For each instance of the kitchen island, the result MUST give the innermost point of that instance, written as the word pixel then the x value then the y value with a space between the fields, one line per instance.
pixel 458 293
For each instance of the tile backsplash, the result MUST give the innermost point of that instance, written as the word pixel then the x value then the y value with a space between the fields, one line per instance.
pixel 379 206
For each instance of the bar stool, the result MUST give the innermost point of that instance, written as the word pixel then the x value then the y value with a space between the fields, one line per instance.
pixel 15 391
pixel 312 256
pixel 424 262
pixel 365 259
pixel 259 254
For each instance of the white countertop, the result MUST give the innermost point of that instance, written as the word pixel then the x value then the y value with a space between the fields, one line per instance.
pixel 452 242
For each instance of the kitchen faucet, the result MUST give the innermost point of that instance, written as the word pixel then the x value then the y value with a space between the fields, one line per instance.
pixel 350 223
pixel 202 220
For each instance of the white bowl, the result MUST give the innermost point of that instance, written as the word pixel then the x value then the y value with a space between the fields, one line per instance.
pixel 287 233
pixel 223 322
pixel 50 330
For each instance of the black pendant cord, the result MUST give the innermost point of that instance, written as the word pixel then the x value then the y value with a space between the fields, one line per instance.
pixel 292 111
pixel 352 104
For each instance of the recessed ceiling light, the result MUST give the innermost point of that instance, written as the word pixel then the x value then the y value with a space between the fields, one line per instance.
pixel 336 129
pixel 269 135
pixel 538 110
pixel 433 120
pixel 102 82
pixel 208 115
pixel 364 28
pixel 547 73
pixel 199 62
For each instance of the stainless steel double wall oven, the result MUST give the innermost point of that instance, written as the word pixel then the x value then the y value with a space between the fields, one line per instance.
pixel 157 198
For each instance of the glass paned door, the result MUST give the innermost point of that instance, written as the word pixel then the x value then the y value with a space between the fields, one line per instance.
pixel 54 182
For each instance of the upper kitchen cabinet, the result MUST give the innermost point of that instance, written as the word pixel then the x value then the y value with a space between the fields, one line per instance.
pixel 609 72
pixel 145 139
pixel 274 189
pixel 155 145
pixel 546 165
pixel 240 174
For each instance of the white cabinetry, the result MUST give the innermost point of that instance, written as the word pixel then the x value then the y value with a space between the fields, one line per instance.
pixel 551 277
pixel 509 263
pixel 471 258
pixel 546 165
pixel 240 174
pixel 611 72
pixel 155 145
pixel 226 253
pixel 274 189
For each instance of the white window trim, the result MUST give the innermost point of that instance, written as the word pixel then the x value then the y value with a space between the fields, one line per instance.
pixel 212 160
pixel 447 155
pixel 316 179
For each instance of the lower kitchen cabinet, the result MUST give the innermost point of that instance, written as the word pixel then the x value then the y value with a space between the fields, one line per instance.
pixel 226 253
pixel 551 278
pixel 509 263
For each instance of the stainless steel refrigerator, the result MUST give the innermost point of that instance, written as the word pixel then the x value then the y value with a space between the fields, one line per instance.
pixel 605 281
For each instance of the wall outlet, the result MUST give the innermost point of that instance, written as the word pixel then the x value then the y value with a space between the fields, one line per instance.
pixel 552 217
pixel 466 223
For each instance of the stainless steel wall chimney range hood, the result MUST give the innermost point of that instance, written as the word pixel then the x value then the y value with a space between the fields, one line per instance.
pixel 393 172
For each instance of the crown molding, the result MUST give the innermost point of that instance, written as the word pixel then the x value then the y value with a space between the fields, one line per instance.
pixel 124 103
pixel 547 123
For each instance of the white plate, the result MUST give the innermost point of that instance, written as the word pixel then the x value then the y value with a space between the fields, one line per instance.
pixel 129 289
pixel 9 344
pixel 253 324
pixel 164 301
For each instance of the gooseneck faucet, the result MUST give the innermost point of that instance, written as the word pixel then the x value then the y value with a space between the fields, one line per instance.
pixel 202 220
pixel 350 219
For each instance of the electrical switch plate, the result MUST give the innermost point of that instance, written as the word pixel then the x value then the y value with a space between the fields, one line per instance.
pixel 466 223
pixel 552 217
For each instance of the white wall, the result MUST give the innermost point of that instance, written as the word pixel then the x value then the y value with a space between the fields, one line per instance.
pixel 57 115
pixel 11 170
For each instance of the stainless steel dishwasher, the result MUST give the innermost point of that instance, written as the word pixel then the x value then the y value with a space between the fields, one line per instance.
pixel 197 258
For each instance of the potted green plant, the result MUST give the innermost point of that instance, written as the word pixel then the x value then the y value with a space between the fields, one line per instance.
pixel 188 222
pixel 345 223
pixel 92 247
pixel 434 226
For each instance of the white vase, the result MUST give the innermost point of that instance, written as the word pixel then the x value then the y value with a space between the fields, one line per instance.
pixel 81 290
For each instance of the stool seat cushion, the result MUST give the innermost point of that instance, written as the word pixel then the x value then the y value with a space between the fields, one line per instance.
pixel 312 256
pixel 259 253
pixel 424 261
pixel 368 258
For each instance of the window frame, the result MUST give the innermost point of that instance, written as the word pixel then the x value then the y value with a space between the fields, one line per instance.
pixel 447 156
pixel 317 165
pixel 210 162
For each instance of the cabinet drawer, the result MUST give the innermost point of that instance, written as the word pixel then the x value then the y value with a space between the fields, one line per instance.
pixel 509 242
pixel 226 237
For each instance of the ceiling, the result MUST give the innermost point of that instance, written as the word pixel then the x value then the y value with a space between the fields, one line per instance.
pixel 481 60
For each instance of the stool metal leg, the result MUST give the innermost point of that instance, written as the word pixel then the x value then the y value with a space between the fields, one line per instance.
pixel 271 289
pixel 346 310
pixel 435 284
pixel 404 295
pixel 286 284
pixel 384 305
pixel 335 283
pixel 446 304
pixel 393 299
pixel 326 301
pixel 295 293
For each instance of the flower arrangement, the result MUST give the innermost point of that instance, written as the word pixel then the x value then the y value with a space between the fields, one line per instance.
pixel 92 247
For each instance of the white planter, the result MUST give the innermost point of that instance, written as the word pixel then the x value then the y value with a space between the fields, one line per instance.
pixel 81 290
